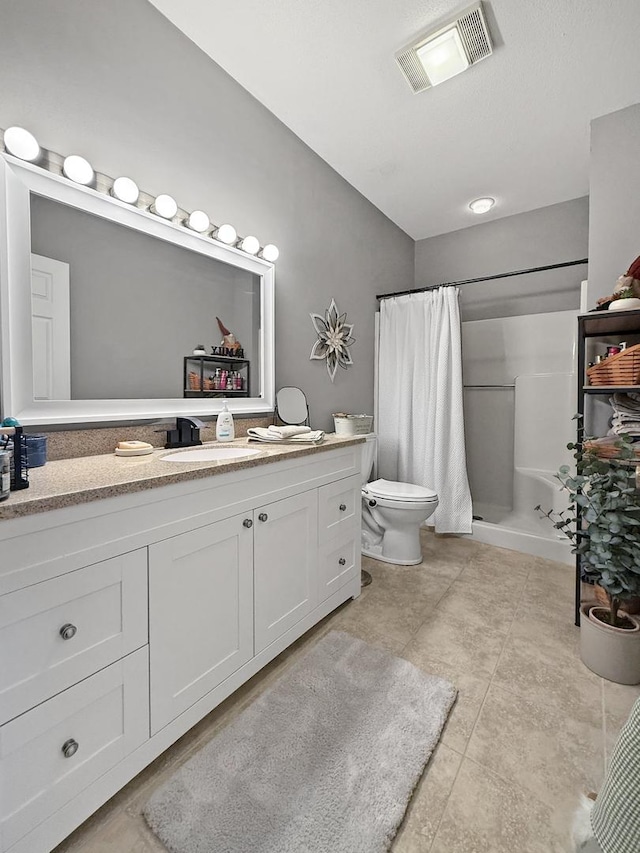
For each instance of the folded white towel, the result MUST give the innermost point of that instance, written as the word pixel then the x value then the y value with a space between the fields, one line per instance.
pixel 309 436
pixel 288 431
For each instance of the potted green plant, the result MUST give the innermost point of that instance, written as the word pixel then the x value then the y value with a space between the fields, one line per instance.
pixel 603 524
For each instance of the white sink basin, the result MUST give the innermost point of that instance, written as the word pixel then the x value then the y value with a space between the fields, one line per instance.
pixel 209 454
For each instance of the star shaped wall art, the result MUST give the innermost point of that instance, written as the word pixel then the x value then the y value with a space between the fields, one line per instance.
pixel 334 339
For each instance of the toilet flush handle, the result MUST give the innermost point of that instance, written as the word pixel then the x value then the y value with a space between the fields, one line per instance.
pixel 373 503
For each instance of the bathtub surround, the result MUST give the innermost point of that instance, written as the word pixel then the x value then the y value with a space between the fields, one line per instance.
pixel 356 720
pixel 519 401
pixel 420 423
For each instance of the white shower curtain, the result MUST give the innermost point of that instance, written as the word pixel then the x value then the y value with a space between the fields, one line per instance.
pixel 420 418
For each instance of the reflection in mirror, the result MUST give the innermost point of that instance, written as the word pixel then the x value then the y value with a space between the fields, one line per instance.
pixel 117 313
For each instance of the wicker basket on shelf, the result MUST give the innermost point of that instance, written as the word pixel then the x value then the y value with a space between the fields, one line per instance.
pixel 620 369
pixel 194 381
pixel 607 449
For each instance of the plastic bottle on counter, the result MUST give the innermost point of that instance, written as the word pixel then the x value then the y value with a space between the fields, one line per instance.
pixel 225 430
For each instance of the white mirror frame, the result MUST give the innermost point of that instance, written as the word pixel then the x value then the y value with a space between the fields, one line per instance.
pixel 17 181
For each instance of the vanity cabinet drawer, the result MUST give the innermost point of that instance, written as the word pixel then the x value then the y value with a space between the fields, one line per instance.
pixel 339 508
pixel 55 751
pixel 57 632
pixel 339 563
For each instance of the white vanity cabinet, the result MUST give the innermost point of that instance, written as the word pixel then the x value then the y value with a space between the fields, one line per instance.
pixel 124 621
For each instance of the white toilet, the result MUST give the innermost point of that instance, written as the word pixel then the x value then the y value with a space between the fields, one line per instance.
pixel 392 514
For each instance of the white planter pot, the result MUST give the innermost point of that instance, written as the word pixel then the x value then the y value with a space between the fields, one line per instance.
pixel 624 304
pixel 613 653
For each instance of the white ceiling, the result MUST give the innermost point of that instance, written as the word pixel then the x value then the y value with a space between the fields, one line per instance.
pixel 515 126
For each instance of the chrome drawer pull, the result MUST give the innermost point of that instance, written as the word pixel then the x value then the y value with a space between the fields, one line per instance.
pixel 68 631
pixel 247 523
pixel 70 747
pixel 263 516
pixel 343 507
pixel 342 561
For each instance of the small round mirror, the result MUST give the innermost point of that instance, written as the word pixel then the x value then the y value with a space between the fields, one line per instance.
pixel 291 406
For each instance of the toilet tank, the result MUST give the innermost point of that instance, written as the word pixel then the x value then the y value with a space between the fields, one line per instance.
pixel 369 449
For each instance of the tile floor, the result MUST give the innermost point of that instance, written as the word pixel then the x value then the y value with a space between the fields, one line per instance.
pixel 530 730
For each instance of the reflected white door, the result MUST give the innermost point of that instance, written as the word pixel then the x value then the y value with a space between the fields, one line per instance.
pixel 50 329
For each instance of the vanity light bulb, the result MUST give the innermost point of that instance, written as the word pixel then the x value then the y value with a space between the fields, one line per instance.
pixel 198 221
pixel 250 245
pixel 21 143
pixel 270 252
pixel 78 169
pixel 227 234
pixel 165 206
pixel 126 190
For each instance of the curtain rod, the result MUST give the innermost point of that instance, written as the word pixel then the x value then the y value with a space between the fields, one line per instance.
pixel 483 278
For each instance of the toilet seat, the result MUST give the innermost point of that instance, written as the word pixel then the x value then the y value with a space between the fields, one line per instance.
pixel 400 492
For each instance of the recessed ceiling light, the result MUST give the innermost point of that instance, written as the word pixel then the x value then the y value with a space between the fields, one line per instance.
pixel 443 57
pixel 482 205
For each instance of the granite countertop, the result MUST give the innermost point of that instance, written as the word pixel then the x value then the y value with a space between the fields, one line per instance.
pixel 87 478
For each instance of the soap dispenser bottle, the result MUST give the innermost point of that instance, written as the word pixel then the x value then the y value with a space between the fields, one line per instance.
pixel 225 430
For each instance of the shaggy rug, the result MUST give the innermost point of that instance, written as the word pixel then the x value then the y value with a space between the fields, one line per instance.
pixel 325 761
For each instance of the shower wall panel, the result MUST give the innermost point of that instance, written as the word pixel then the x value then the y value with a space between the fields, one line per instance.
pixel 505 427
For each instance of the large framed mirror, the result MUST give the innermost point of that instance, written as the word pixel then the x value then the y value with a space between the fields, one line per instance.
pixel 102 306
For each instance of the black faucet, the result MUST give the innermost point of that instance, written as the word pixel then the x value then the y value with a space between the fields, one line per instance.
pixel 186 433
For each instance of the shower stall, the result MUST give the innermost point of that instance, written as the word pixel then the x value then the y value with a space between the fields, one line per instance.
pixel 519 401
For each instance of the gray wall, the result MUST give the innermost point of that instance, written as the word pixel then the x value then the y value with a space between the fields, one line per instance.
pixel 614 192
pixel 117 83
pixel 548 235
pixel 138 304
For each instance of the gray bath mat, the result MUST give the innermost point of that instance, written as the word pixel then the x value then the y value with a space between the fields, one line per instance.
pixel 325 761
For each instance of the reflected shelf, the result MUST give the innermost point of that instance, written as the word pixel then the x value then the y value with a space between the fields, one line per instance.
pixel 610 389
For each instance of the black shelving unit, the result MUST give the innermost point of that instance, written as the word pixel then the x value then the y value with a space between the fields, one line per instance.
pixel 205 366
pixel 599 324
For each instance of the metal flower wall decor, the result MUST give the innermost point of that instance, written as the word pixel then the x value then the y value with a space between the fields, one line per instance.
pixel 334 339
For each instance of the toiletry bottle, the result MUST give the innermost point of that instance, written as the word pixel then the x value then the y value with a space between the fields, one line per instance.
pixel 225 430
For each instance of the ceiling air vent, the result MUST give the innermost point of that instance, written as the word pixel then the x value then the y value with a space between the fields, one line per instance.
pixel 442 53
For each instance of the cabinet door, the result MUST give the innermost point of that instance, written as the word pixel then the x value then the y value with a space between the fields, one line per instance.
pixel 200 614
pixel 285 565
